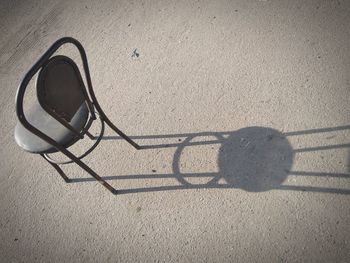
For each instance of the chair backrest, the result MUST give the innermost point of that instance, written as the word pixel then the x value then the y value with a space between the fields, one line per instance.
pixel 60 88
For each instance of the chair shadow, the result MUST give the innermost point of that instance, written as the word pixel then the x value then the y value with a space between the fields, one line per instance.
pixel 254 159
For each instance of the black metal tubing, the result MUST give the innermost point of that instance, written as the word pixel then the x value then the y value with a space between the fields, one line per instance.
pixel 21 116
pixel 98 140
pixel 58 169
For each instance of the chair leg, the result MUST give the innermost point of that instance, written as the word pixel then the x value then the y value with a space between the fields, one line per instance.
pixel 103 115
pixel 59 170
pixel 90 135
pixel 87 169
pixel 120 133
pixel 95 175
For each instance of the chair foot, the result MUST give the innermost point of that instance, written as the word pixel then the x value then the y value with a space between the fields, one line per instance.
pixel 59 170
pixel 87 169
pixel 93 174
pixel 121 134
pixel 109 123
pixel 90 135
pixel 105 184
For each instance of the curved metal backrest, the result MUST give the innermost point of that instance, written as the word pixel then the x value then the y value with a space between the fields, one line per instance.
pixel 60 88
pixel 29 75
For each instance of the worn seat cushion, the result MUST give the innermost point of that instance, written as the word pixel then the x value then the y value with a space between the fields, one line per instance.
pixel 44 122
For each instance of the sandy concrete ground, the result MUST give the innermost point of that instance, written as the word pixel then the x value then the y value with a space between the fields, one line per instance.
pixel 251 98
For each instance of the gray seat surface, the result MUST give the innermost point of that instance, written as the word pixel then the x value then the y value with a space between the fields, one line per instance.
pixel 40 119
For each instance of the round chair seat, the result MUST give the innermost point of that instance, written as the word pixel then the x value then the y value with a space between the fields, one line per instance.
pixel 43 121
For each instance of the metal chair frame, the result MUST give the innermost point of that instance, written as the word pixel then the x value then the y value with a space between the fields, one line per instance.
pixel 93 107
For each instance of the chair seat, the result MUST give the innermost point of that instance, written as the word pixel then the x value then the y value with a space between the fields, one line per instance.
pixel 41 120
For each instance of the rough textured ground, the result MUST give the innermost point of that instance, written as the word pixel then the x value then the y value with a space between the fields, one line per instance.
pixel 252 98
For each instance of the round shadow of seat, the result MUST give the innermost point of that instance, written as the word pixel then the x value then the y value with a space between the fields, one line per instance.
pixel 255 159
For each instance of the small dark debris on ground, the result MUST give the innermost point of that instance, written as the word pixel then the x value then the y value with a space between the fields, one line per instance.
pixel 135 53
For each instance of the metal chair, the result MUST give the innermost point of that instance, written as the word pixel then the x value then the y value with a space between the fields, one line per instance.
pixel 65 112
